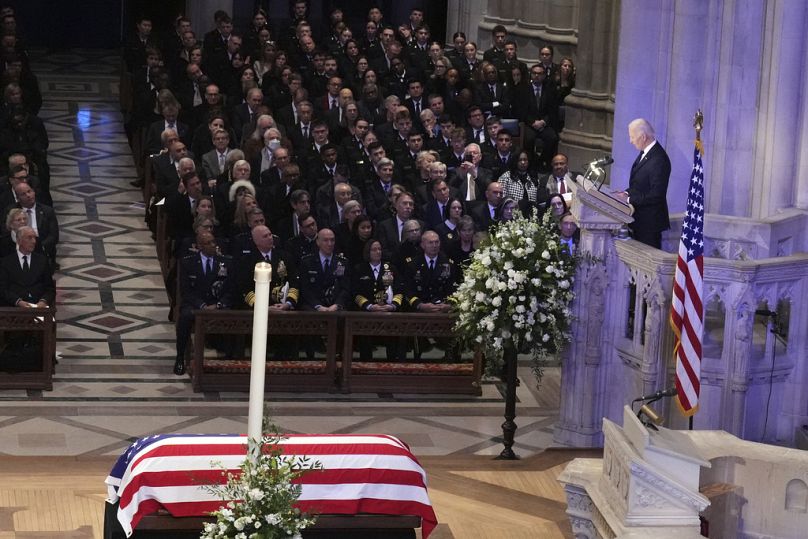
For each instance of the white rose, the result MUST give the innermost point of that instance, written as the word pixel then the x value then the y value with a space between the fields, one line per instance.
pixel 520 309
pixel 479 297
pixel 239 524
pixel 486 260
pixel 256 494
pixel 497 301
pixel 489 326
pixel 508 265
pixel 519 277
pixel 502 286
pixel 528 337
pixel 564 284
pixel 545 254
pixel 545 338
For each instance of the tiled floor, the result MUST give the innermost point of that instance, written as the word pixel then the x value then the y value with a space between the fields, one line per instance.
pixel 114 380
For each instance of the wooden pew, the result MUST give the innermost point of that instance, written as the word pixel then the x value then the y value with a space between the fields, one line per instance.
pixel 417 376
pixel 21 328
pixel 220 374
pixel 339 371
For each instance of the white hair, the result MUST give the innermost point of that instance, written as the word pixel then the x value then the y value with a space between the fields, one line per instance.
pixel 641 125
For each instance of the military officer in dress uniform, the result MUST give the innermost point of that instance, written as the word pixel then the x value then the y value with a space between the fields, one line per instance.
pixel 324 276
pixel 430 279
pixel 283 291
pixel 376 286
pixel 206 282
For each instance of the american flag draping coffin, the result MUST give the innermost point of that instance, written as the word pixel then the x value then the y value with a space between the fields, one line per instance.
pixel 362 474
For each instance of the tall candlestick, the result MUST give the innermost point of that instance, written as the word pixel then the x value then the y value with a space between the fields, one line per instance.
pixel 263 276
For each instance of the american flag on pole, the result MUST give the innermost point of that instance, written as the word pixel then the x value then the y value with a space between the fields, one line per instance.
pixel 362 474
pixel 686 310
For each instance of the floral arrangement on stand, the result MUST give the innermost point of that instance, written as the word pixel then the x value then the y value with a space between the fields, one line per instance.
pixel 517 291
pixel 259 499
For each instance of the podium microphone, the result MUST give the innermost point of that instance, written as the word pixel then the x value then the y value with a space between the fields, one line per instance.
pixel 670 392
pixel 604 161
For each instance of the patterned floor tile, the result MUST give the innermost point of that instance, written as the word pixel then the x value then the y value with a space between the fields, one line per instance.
pixel 40 436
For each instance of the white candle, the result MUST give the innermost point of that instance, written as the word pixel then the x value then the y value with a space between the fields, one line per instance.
pixel 263 276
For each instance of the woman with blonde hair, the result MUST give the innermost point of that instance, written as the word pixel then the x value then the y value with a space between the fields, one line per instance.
pixel 15 220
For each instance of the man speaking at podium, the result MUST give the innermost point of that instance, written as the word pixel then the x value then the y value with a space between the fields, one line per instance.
pixel 647 185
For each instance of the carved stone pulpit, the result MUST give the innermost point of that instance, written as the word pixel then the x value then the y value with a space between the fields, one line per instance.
pixel 599 217
pixel 646 485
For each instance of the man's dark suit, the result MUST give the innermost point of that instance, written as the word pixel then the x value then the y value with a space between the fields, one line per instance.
pixel 166 178
pixel 481 214
pixel 153 141
pixel 22 350
pixel 386 231
pixel 647 191
pixel 486 99
pixel 376 202
pixel 31 286
pixel 432 214
pixel 459 181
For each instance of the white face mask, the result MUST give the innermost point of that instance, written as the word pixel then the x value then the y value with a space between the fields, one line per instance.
pixel 274 144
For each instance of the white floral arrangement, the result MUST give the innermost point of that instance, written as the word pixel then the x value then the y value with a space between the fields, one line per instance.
pixel 259 500
pixel 517 290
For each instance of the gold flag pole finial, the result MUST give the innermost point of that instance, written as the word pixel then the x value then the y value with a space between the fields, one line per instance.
pixel 698 123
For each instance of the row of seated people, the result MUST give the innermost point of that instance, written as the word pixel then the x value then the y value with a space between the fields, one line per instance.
pixel 311 88
pixel 370 182
pixel 30 237
pixel 307 268
pixel 324 280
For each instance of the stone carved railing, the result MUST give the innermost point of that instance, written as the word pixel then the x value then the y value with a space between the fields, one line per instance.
pixel 622 341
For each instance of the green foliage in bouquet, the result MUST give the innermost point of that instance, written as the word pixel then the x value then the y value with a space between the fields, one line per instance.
pixel 260 497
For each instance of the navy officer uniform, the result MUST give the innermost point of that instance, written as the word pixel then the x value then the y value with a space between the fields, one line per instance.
pixel 379 284
pixel 205 281
pixel 283 287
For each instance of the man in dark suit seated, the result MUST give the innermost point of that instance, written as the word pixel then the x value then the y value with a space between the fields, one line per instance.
pixel 648 185
pixel 206 282
pixel 26 281
pixel 434 211
pixel 180 208
pixel 389 231
pixel 26 276
pixel 325 282
pixel 170 113
pixel 484 213
pixel 41 218
pixel 470 178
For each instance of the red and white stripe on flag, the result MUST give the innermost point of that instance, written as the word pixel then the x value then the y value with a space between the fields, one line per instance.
pixel 371 474
pixel 687 312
